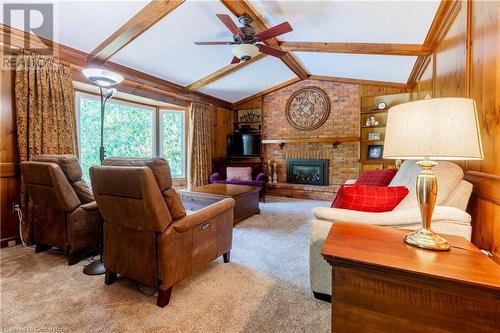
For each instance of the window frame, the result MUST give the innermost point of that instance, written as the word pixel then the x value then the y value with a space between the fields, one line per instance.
pixel 156 125
pixel 162 110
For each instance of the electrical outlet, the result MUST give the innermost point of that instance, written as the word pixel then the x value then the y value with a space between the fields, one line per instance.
pixel 11 243
pixel 15 206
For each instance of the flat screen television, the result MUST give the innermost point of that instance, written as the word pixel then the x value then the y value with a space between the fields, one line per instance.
pixel 243 145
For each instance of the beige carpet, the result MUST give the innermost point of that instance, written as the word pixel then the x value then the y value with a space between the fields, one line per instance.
pixel 263 289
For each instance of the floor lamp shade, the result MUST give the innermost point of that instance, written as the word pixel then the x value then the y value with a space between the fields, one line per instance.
pixel 436 128
pixel 432 129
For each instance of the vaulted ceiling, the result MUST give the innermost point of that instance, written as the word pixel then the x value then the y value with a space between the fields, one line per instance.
pixel 329 39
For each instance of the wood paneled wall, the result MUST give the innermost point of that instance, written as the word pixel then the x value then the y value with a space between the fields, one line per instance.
pixel 9 164
pixel 366 90
pixel 223 126
pixel 466 63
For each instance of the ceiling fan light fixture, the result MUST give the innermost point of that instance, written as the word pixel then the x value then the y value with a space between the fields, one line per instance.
pixel 245 51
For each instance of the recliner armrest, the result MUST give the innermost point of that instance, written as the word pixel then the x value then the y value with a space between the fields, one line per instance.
pixel 201 216
pixel 91 206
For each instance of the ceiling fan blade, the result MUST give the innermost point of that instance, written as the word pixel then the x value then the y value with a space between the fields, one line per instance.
pixel 271 51
pixel 228 22
pixel 277 30
pixel 214 43
pixel 235 60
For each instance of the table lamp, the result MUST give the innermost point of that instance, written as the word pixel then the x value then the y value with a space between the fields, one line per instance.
pixel 428 130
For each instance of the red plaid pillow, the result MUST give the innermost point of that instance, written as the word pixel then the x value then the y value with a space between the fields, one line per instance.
pixel 369 198
pixel 379 177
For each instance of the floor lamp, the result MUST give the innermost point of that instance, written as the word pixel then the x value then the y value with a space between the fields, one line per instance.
pixel 103 79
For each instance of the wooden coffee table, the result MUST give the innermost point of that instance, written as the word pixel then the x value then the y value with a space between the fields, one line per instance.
pixel 246 197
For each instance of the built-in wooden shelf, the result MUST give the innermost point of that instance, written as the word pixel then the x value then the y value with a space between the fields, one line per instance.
pixel 379 126
pixel 374 111
pixel 368 109
pixel 252 123
pixel 375 142
pixel 248 122
pixel 334 140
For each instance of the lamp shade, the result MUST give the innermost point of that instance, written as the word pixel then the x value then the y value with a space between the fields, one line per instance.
pixel 102 77
pixel 436 128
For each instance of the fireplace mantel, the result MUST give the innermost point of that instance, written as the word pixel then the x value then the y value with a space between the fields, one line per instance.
pixel 334 140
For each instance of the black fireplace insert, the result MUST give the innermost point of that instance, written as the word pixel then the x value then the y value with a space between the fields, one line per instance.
pixel 307 171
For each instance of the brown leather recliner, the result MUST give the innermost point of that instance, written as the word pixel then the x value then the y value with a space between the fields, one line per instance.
pixel 147 235
pixel 65 213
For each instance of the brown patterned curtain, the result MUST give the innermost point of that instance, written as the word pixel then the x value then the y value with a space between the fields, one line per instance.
pixel 45 112
pixel 201 123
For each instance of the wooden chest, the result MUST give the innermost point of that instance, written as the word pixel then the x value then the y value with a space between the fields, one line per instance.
pixel 246 198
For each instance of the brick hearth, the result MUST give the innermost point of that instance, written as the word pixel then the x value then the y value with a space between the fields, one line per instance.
pixel 302 191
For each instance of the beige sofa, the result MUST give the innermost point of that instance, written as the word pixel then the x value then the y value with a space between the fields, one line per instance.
pixel 449 216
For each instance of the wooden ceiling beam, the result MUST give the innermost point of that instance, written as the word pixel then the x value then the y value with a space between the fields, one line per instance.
pixel 231 68
pixel 445 15
pixel 135 82
pixel 418 69
pixel 134 27
pixel 358 48
pixel 360 81
pixel 242 7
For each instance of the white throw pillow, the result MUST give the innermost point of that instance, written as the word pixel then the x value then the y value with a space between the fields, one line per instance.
pixel 239 173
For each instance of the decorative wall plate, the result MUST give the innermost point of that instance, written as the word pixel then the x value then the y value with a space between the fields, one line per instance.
pixel 308 108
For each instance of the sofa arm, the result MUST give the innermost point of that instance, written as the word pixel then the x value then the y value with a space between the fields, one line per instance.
pixel 262 177
pixel 401 217
pixel 203 215
pixel 215 176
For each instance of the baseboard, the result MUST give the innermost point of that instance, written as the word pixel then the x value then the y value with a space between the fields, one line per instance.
pixel 5 242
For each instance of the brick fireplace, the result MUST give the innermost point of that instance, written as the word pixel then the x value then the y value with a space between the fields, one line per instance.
pixel 342 160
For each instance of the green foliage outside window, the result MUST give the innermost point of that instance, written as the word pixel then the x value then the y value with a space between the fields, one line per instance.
pixel 128 132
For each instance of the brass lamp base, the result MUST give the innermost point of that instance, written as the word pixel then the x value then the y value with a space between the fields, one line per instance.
pixel 427 239
pixel 427 188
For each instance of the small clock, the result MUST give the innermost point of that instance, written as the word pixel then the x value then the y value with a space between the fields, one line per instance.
pixel 381 106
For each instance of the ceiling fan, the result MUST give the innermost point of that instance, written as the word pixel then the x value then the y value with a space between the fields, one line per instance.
pixel 247 41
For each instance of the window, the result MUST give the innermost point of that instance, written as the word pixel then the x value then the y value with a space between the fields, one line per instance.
pixel 172 141
pixel 129 130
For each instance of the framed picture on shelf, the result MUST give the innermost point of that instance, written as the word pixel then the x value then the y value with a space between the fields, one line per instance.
pixel 249 116
pixel 374 136
pixel 375 152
